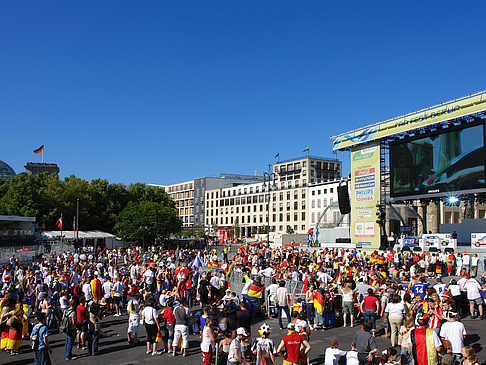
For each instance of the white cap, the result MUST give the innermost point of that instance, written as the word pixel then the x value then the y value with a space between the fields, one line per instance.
pixel 241 331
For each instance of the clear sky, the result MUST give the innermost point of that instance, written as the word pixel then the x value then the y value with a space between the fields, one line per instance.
pixel 166 91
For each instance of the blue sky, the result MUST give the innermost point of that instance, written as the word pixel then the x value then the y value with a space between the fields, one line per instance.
pixel 161 92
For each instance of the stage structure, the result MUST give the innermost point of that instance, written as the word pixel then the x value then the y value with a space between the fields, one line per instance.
pixel 434 154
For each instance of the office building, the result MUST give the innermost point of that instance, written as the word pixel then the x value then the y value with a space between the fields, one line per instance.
pixel 280 204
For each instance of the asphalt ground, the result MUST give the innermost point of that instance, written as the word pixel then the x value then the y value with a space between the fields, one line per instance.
pixel 115 350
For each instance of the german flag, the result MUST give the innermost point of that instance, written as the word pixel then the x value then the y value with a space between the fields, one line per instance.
pixel 228 270
pixel 319 301
pixel 256 290
pixel 39 150
pixel 424 351
pixel 96 289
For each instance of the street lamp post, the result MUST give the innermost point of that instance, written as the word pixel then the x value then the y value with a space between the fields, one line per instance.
pixel 268 175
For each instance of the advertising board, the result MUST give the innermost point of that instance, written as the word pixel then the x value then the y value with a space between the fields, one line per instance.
pixel 439 113
pixel 365 194
pixel 439 241
pixel 478 240
pixel 438 164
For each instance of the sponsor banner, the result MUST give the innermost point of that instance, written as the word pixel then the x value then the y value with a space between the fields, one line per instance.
pixel 438 241
pixel 478 240
pixel 440 113
pixel 365 194
pixel 406 229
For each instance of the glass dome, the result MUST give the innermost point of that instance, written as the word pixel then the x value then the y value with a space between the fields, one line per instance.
pixel 6 172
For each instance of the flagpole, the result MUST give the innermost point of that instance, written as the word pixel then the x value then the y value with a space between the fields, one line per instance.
pixel 77 223
pixel 43 148
pixel 61 229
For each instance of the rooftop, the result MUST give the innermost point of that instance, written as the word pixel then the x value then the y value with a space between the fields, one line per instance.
pixel 308 157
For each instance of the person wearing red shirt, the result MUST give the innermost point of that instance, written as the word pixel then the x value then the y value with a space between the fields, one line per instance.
pixel 369 307
pixel 81 322
pixel 292 343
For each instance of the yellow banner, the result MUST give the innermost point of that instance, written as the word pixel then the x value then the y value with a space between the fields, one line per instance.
pixel 365 194
pixel 436 114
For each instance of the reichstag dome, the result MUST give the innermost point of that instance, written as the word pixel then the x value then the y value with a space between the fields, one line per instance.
pixel 6 172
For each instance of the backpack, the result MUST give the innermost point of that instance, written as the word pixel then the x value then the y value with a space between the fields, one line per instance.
pixel 34 338
pixel 65 325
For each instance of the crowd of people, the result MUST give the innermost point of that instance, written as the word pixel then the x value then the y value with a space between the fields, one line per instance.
pixel 417 300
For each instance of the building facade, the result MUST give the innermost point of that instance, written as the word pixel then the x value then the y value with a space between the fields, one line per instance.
pixel 189 196
pixel 35 168
pixel 279 204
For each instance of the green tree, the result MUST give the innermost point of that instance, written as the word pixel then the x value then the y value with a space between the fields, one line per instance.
pixel 235 229
pixel 160 221
pixel 290 230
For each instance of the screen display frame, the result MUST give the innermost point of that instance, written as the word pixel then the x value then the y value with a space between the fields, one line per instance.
pixel 410 195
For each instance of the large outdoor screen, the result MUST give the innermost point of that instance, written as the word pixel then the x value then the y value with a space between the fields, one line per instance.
pixel 447 163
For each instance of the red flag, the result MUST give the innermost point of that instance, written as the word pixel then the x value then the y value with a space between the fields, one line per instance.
pixel 59 222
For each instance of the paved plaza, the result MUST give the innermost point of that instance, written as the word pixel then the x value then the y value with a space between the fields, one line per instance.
pixel 115 350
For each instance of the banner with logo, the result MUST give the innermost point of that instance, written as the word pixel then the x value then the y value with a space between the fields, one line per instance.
pixel 365 194
pixel 446 111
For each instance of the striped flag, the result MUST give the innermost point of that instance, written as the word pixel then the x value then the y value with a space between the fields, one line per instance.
pixel 256 290
pixel 319 301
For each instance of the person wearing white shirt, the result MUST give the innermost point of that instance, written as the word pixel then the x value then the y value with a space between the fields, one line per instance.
pixel 465 262
pixel 87 290
pixel 474 265
pixel 333 354
pixel 474 296
pixel 454 332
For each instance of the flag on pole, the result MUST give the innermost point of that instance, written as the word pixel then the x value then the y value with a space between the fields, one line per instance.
pixel 39 150
pixel 277 155
pixel 307 149
pixel 59 222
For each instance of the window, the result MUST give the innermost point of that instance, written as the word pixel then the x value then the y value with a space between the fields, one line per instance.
pixel 242 209
pixel 254 219
pixel 303 204
pixel 281 206
pixel 288 217
pixel 255 199
pixel 303 194
pixel 257 189
pixel 280 228
pixel 274 206
pixel 325 202
pixel 288 195
pixel 313 192
pixel 254 208
pixel 313 204
pixel 288 205
pixel 296 205
pixel 303 216
pixel 331 190
pixel 261 207
pixel 319 192
pixel 289 184
pixel 304 182
pixel 296 217
pixel 318 203
pixel 261 218
pixel 274 217
pixel 274 197
pixel 282 185
pixel 303 227
pixel 297 182
pixel 313 218
pixel 280 217
pixel 304 163
pixel 251 190
pixel 281 196
pixel 237 209
pixel 325 191
pixel 243 219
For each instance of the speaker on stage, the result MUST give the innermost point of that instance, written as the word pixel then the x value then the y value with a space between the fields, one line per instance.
pixel 343 199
